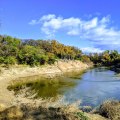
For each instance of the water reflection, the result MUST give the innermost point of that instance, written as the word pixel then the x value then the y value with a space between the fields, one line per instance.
pixel 43 87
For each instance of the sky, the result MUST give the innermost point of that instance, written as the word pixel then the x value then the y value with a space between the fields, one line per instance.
pixel 91 25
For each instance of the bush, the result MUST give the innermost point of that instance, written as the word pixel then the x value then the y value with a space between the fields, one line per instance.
pixel 10 60
pixel 85 59
pixel 52 58
pixel 82 116
pixel 110 109
pixel 43 59
pixel 1 60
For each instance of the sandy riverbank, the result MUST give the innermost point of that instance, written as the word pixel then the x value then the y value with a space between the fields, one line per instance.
pixel 16 72
pixel 34 109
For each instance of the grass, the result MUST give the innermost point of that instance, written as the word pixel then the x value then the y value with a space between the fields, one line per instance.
pixel 110 109
pixel 82 116
pixel 30 112
pixel 42 87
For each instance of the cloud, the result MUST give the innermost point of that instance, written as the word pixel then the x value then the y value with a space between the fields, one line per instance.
pixel 51 24
pixel 48 17
pixel 91 50
pixel 96 30
pixel 33 22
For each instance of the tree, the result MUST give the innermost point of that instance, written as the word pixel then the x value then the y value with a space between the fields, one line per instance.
pixel 29 55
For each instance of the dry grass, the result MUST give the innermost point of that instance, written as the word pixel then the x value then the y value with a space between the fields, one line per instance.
pixel 30 112
pixel 12 113
pixel 110 109
pixel 49 110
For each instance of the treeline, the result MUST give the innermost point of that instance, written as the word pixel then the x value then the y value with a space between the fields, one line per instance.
pixel 36 52
pixel 109 58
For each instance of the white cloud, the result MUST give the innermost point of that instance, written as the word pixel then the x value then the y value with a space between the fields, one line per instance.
pixel 96 30
pixel 91 50
pixel 48 17
pixel 33 22
pixel 90 24
pixel 51 24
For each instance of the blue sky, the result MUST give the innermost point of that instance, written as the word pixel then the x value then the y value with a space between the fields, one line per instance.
pixel 91 25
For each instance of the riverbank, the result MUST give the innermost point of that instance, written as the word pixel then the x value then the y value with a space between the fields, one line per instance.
pixel 15 72
pixel 19 108
pixel 33 112
pixel 109 110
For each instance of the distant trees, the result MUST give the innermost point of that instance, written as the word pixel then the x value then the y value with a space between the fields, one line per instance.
pixel 36 52
pixel 107 58
pixel 29 55
pixel 9 48
pixel 85 58
pixel 59 50
pixel 40 52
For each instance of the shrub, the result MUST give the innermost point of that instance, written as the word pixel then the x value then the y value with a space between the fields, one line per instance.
pixel 43 59
pixel 82 116
pixel 1 60
pixel 52 58
pixel 85 59
pixel 10 60
pixel 110 109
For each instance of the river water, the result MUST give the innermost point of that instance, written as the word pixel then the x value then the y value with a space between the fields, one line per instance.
pixel 91 87
pixel 96 86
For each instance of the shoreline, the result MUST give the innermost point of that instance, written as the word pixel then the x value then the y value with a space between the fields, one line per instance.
pixel 9 102
pixel 48 71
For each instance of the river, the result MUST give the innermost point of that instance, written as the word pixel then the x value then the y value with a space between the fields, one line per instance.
pixel 91 87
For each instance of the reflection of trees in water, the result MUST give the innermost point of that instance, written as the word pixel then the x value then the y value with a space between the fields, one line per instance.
pixel 44 88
